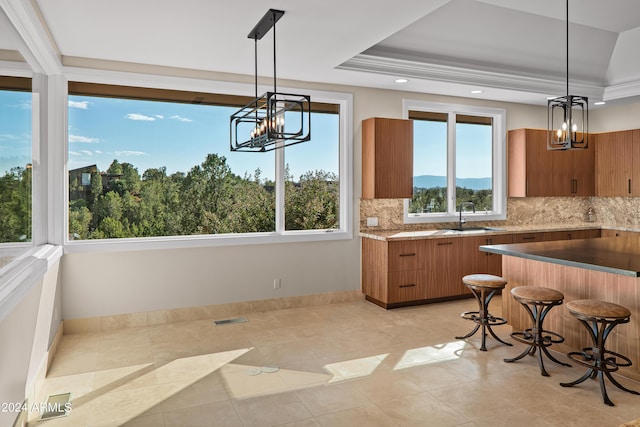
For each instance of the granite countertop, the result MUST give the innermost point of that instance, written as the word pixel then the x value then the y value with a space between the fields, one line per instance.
pixel 446 233
pixel 617 255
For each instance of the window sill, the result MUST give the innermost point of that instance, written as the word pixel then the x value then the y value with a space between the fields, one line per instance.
pixel 23 273
pixel 445 217
pixel 177 242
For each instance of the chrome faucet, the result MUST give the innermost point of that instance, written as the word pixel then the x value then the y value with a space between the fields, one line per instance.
pixel 462 205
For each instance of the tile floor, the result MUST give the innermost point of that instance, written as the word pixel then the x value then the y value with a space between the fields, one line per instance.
pixel 351 364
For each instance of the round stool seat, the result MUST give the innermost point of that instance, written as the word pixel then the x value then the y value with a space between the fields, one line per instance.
pixel 484 281
pixel 593 309
pixel 537 302
pixel 599 318
pixel 483 287
pixel 536 294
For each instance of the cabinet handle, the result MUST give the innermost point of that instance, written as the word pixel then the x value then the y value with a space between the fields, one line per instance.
pixel 413 285
pixel 445 243
pixel 412 254
pixel 629 187
pixel 489 241
pixel 529 238
pixel 575 186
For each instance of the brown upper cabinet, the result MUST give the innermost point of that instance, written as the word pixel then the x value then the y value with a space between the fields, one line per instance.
pixel 618 163
pixel 387 158
pixel 534 171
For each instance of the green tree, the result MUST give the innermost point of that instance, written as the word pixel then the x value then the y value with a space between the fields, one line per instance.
pixel 313 203
pixel 15 205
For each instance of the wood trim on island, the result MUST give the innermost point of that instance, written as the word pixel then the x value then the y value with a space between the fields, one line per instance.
pixel 576 283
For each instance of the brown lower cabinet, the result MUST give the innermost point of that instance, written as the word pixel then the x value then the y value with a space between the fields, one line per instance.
pixel 399 273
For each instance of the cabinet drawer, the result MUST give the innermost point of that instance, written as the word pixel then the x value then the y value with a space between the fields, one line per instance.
pixel 406 286
pixel 528 237
pixel 405 255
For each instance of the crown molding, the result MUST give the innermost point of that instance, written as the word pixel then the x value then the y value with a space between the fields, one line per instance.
pixel 622 90
pixel 468 76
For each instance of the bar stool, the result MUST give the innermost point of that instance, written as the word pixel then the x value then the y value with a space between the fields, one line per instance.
pixel 483 287
pixel 537 301
pixel 599 317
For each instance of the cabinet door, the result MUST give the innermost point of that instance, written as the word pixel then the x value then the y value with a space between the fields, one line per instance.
pixel 562 174
pixel 445 268
pixel 614 156
pixel 583 179
pixel 474 261
pixel 529 163
pixel 374 269
pixel 635 164
pixel 534 171
pixel 494 261
pixel 387 158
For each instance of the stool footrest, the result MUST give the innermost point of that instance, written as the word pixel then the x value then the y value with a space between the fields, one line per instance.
pixel 610 361
pixel 490 319
pixel 528 337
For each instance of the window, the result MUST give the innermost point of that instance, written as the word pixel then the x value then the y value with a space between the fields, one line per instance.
pixel 15 167
pixel 152 163
pixel 459 156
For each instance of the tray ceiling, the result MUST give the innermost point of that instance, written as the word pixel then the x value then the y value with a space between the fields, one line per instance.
pixel 513 50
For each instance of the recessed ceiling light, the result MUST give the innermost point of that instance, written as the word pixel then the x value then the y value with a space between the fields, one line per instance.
pixel 476 91
pixel 401 80
pixel 599 103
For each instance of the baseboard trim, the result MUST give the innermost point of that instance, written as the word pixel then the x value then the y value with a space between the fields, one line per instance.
pixel 215 311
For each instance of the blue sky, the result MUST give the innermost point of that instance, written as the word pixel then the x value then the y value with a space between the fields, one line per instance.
pixel 152 134
pixel 15 129
pixel 179 136
pixel 473 149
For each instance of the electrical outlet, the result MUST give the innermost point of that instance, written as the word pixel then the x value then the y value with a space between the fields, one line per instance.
pixel 372 221
pixel 277 283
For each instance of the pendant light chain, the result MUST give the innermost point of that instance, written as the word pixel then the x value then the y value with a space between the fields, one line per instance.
pixel 567 47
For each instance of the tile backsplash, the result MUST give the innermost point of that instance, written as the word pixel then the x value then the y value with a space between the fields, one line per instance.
pixel 607 211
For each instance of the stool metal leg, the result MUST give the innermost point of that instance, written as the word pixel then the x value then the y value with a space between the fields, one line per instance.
pixel 600 361
pixel 483 318
pixel 535 336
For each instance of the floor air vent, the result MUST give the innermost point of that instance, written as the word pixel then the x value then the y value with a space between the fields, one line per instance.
pixel 229 321
pixel 57 405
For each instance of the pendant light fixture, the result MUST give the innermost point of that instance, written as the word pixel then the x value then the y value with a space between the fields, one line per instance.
pixel 273 120
pixel 568 116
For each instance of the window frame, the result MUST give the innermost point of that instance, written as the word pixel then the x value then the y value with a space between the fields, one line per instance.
pixel 25 82
pixel 343 100
pixel 499 176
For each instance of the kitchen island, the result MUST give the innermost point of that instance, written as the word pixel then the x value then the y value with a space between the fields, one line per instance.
pixel 606 269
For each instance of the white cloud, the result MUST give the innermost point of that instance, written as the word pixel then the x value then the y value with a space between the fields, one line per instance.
pixel 7 137
pixel 81 153
pixel 85 139
pixel 82 105
pixel 136 116
pixel 181 119
pixel 160 116
pixel 130 153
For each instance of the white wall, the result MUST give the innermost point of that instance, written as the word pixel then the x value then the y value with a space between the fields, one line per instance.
pixel 99 284
pixel 17 336
pixel 25 337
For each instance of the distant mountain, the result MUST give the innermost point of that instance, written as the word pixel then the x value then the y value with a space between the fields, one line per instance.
pixel 431 181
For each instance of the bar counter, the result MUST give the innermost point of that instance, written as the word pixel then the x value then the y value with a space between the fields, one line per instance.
pixel 606 269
